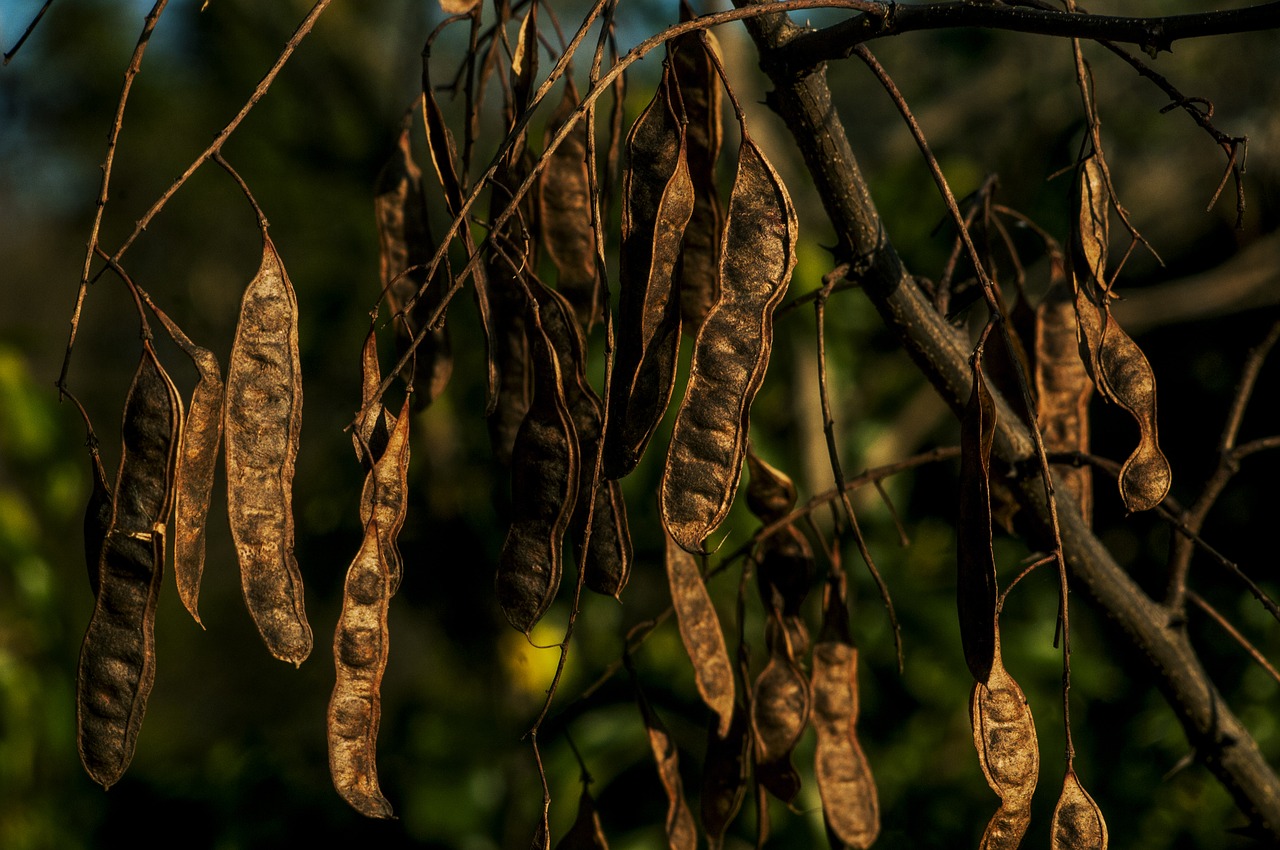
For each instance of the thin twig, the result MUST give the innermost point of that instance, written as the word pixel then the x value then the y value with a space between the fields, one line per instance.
pixel 27 32
pixel 1226 626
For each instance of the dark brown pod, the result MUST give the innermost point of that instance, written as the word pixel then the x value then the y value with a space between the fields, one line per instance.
pixel 976 565
pixel 97 517
pixel 565 213
pixel 586 832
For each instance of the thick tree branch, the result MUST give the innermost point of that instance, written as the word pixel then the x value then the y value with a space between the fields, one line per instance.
pixel 808 48
pixel 1219 739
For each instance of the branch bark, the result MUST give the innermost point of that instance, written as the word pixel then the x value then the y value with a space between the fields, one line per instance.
pixel 1220 741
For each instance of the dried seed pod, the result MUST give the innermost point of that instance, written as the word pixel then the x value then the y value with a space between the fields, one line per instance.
pixel 360 658
pixel 1077 821
pixel 681 831
pixel 724 773
pixel 509 281
pixel 1119 368
pixel 544 488
pixel 1004 735
pixel 701 634
pixel 375 422
pixel 97 516
pixel 731 353
pixel 779 712
pixel 263 422
pixel 607 561
pixel 405 247
pixel 117 658
pixel 385 494
pixel 1063 388
pixel 850 804
pixel 586 832
pixel 770 492
pixel 784 573
pixel 702 98
pixel 565 213
pixel 976 565
pixel 658 200
pixel 458 7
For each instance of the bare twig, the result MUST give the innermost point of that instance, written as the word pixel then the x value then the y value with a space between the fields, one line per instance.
pixel 27 32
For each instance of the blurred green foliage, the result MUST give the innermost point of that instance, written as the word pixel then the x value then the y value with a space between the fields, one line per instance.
pixel 232 753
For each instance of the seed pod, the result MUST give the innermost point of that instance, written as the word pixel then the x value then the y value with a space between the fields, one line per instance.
pixel 850 805
pixel 586 832
pixel 779 712
pixel 658 199
pixel 700 632
pixel 375 422
pixel 1004 735
pixel 97 516
pixel 263 421
pixel 784 573
pixel 565 213
pixel 405 241
pixel 770 492
pixel 1077 821
pixel 1119 368
pixel 117 658
pixel 360 658
pixel 1063 388
pixel 724 773
pixel 976 565
pixel 681 831
pixel 731 353
pixel 544 487
pixel 385 495
pixel 701 95
pixel 510 344
pixel 607 561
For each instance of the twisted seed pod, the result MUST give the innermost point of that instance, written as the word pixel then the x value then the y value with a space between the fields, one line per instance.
pixel 1063 388
pixel 731 353
pixel 360 659
pixel 263 422
pixel 681 831
pixel 544 487
pixel 1004 735
pixel 117 658
pixel 658 198
pixel 370 435
pixel 975 562
pixel 1077 821
pixel 701 634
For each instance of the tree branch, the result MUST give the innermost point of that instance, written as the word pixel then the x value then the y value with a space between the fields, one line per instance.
pixel 808 48
pixel 940 351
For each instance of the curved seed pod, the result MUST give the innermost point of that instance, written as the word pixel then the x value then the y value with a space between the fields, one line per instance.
pixel 1063 388
pixel 97 516
pixel 607 562
pixel 565 213
pixel 1118 367
pixel 779 712
pixel 1004 735
pixel 702 97
pixel 975 561
pixel 405 241
pixel 370 435
pixel 117 658
pixel 586 832
pixel 681 831
pixel 850 804
pixel 770 492
pixel 731 353
pixel 1077 821
pixel 658 199
pixel 385 495
pixel 701 634
pixel 263 421
pixel 544 488
pixel 360 658
pixel 724 773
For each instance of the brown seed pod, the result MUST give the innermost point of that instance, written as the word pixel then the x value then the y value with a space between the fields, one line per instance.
pixel 369 437
pixel 544 488
pixel 784 572
pixel 976 565
pixel 1119 368
pixel 385 496
pixel 1004 735
pixel 779 712
pixel 263 421
pixel 681 831
pixel 360 658
pixel 586 832
pixel 565 213
pixel 658 199
pixel 724 773
pixel 97 516
pixel 731 353
pixel 1077 821
pixel 702 98
pixel 509 281
pixel 607 561
pixel 770 492
pixel 701 634
pixel 117 658
pixel 1063 387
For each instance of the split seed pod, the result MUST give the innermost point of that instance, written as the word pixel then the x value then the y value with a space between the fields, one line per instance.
pixel 117 659
pixel 263 422
pixel 385 495
pixel 730 354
